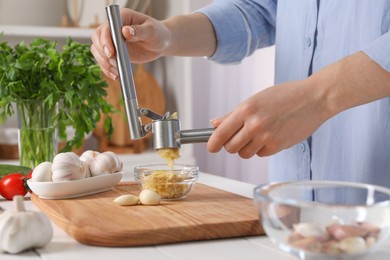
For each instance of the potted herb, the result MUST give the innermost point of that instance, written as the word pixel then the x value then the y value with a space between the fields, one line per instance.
pixel 52 90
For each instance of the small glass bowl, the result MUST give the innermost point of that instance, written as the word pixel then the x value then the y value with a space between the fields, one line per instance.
pixel 324 218
pixel 171 183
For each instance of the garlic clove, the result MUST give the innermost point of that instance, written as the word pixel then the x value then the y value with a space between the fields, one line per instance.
pixel 372 229
pixel 353 245
pixel 311 244
pixel 42 172
pixel 340 232
pixel 68 166
pixel 331 247
pixel 149 197
pixel 88 156
pixel 86 173
pixel 370 241
pixel 126 200
pixel 311 230
pixel 105 163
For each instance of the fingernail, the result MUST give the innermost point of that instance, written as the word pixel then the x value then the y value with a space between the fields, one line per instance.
pixel 112 76
pixel 114 70
pixel 107 52
pixel 132 31
pixel 112 62
pixel 214 120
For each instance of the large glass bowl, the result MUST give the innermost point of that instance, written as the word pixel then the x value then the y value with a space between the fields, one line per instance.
pixel 171 183
pixel 324 219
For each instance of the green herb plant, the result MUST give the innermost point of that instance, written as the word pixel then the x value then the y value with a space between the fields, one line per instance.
pixel 54 89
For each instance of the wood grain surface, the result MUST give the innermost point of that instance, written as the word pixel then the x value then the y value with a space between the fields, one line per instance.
pixel 149 95
pixel 206 213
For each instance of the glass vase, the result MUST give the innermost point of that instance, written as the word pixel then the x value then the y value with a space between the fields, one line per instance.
pixel 37 135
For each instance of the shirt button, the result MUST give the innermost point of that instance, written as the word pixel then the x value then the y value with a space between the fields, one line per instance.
pixel 302 147
pixel 308 41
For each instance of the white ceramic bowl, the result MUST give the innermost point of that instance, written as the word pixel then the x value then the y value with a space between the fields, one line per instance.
pixel 76 188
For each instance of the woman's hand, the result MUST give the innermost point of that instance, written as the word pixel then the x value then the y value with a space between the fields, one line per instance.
pixel 269 121
pixel 146 38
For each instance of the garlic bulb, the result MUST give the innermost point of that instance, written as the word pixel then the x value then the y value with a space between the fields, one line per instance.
pixel 68 166
pixel 21 229
pixel 88 156
pixel 42 172
pixel 107 162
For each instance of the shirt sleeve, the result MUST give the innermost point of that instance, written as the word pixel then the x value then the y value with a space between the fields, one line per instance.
pixel 241 27
pixel 379 51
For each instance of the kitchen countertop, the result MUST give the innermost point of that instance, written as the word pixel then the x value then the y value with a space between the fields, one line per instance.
pixel 63 246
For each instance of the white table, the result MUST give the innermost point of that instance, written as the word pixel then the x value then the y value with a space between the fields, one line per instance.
pixel 64 247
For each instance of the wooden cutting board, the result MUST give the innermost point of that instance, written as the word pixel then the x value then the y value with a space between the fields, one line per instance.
pixel 206 213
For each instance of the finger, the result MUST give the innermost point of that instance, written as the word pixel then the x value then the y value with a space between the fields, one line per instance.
pixel 250 150
pixel 101 60
pixel 262 152
pixel 267 151
pixel 131 33
pixel 95 38
pixel 135 33
pixel 237 141
pixel 107 68
pixel 228 127
pixel 215 122
pixel 106 45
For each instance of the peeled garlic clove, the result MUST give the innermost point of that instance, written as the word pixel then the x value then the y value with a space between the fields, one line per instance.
pixel 293 237
pixel 340 232
pixel 370 241
pixel 310 230
pixel 352 245
pixel 372 229
pixel 107 162
pixel 42 172
pixel 126 200
pixel 311 244
pixel 331 247
pixel 149 197
pixel 88 156
pixel 67 166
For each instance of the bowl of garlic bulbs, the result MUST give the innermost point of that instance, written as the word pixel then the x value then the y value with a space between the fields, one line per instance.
pixel 324 218
pixel 170 182
pixel 70 176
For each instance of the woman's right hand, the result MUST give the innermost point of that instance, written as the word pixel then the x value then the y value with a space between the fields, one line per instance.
pixel 146 38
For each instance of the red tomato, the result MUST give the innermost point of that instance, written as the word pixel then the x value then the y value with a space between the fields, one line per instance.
pixel 28 176
pixel 12 184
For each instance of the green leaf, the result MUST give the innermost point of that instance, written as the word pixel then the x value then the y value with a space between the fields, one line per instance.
pixel 7 169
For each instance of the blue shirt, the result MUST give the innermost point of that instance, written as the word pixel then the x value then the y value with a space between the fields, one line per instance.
pixel 308 35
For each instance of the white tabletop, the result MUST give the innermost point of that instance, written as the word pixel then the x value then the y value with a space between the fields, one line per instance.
pixel 63 246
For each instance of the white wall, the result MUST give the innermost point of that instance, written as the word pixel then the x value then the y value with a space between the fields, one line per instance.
pixel 32 12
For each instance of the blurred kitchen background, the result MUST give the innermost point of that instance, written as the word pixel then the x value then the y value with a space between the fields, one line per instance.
pixel 196 88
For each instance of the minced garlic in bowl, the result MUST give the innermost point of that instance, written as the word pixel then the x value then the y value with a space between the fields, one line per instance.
pixel 171 183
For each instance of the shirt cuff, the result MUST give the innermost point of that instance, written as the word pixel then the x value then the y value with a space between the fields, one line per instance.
pixel 230 30
pixel 379 51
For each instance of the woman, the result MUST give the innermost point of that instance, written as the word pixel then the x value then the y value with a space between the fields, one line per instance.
pixel 327 117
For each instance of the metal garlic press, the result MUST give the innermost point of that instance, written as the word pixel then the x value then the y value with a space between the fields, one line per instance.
pixel 166 131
